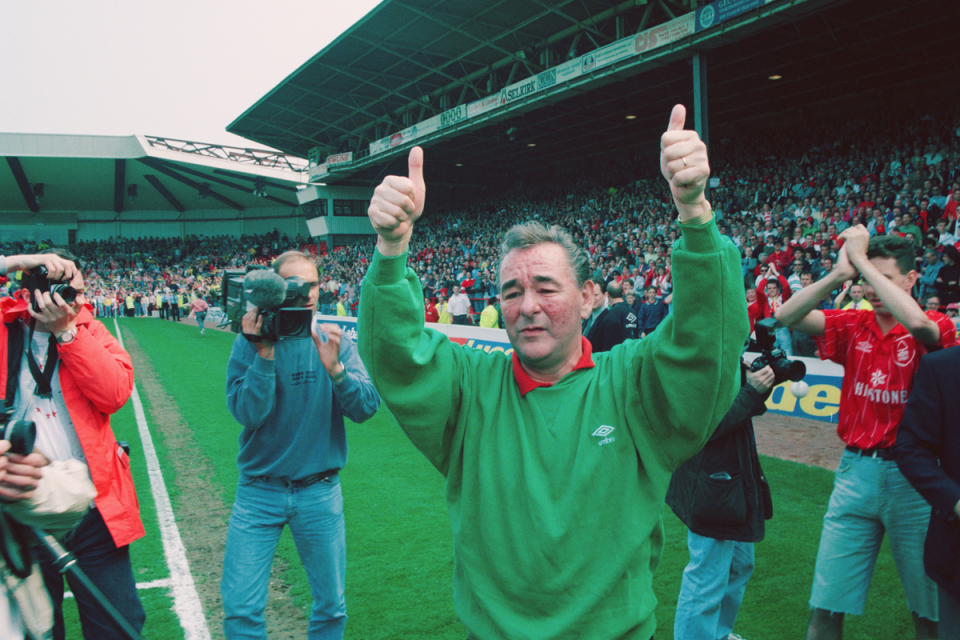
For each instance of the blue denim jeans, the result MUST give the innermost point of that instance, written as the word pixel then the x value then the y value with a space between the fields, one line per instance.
pixel 110 571
pixel 712 588
pixel 784 340
pixel 870 498
pixel 315 517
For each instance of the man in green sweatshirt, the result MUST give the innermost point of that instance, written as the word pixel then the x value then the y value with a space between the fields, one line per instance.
pixel 557 460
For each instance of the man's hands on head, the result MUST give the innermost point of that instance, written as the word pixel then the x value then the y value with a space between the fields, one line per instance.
pixel 855 242
pixel 683 162
pixel 397 203
pixel 19 474
pixel 327 338
pixel 251 325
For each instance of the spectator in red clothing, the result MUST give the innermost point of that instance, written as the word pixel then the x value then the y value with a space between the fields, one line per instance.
pixel 772 292
pixel 950 211
pixel 431 314
pixel 781 255
pixel 879 350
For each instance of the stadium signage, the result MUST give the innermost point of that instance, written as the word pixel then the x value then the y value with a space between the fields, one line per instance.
pixel 453 116
pixel 547 79
pixel 339 158
pixel 722 10
pixel 665 33
pixel 482 106
pixel 317 171
pixel 518 90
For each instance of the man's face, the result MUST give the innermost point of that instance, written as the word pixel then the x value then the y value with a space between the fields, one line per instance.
pixel 651 294
pixel 630 297
pixel 303 269
pixel 797 267
pixel 806 280
pixel 888 267
pixel 856 293
pixel 827 264
pixel 933 303
pixel 598 297
pixel 772 290
pixel 542 305
pixel 751 296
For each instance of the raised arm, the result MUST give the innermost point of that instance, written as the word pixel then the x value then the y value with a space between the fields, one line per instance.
pixel 689 368
pixel 416 370
pixel 800 311
pixel 894 298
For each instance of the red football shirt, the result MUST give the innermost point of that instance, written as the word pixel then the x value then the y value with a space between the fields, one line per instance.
pixel 877 372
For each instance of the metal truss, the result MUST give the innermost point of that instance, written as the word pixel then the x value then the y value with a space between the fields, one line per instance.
pixel 259 157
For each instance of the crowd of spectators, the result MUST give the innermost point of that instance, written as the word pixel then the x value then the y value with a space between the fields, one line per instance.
pixel 782 199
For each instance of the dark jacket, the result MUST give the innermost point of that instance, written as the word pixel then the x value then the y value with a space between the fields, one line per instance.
pixel 606 332
pixel 928 453
pixel 628 319
pixel 717 507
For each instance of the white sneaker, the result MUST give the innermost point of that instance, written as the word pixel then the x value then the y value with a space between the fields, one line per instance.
pixel 734 636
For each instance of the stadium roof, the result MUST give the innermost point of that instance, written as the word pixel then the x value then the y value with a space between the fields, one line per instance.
pixel 408 60
pixel 70 173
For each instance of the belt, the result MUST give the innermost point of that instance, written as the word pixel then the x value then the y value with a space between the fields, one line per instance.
pixel 884 453
pixel 313 478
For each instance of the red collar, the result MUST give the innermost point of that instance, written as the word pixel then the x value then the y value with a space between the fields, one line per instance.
pixel 526 384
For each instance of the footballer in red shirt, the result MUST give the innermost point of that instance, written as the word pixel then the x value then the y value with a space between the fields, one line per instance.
pixel 880 351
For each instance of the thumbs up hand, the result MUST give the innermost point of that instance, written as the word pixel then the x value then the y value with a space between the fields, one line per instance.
pixel 683 162
pixel 396 205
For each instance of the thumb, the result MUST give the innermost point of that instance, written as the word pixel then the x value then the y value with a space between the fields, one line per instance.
pixel 415 173
pixel 677 118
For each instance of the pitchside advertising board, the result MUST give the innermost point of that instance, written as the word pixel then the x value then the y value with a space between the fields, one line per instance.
pixel 822 401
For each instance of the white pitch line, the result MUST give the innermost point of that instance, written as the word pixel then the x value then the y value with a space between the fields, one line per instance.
pixel 186 602
pixel 163 583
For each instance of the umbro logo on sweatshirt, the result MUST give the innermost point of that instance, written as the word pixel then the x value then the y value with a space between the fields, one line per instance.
pixel 604 431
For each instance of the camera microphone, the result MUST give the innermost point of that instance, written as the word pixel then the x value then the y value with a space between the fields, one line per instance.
pixel 264 289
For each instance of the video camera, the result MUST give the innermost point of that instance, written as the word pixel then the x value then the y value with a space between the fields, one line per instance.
pixel 783 367
pixel 36 282
pixel 279 302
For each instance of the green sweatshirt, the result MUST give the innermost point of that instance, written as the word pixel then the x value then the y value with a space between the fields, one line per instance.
pixel 555 497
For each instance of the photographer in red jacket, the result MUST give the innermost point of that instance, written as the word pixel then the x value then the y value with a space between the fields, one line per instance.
pixel 63 370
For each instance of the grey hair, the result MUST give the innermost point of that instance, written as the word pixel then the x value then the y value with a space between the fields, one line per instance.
pixel 532 234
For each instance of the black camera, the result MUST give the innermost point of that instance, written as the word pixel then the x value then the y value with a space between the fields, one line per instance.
pixel 783 367
pixel 279 302
pixel 37 283
pixel 21 434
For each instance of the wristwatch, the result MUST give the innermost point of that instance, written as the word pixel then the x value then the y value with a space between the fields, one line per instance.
pixel 66 337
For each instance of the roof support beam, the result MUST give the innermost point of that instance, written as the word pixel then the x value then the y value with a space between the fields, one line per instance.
pixel 119 180
pixel 22 182
pixel 152 179
pixel 153 164
pixel 226 183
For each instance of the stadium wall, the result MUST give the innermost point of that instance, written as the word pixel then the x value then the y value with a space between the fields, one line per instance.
pixel 102 225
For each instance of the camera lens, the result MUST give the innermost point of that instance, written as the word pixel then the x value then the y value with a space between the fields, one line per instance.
pixel 68 293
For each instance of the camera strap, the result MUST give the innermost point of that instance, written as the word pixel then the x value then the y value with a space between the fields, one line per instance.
pixel 42 377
